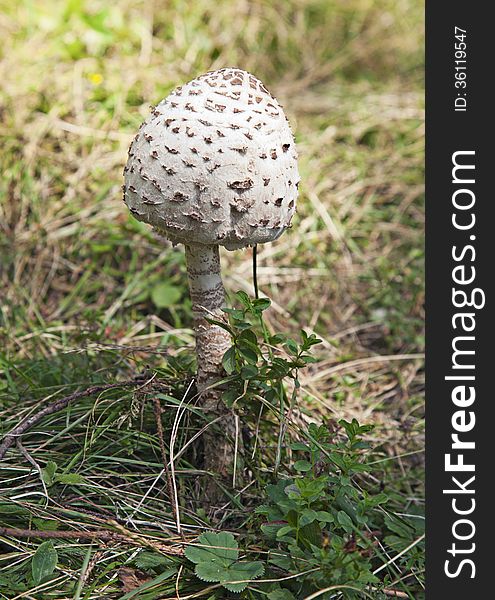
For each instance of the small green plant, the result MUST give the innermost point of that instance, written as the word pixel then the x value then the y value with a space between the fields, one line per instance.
pixel 319 522
pixel 322 520
pixel 260 368
pixel 216 557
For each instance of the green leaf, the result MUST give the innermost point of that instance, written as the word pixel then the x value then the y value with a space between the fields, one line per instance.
pixel 292 347
pixel 270 530
pixel 278 338
pixel 164 295
pixel 249 336
pixel 45 524
pixel 243 325
pixel 278 492
pixel 281 595
pixel 13 509
pixel 310 340
pixel 228 361
pixel 248 354
pixel 48 472
pixel 245 572
pixel 306 359
pixel 212 571
pixel 291 490
pixel 230 396
pixel 284 530
pixel 44 562
pixel 307 516
pixel 221 324
pixel 147 560
pixel 235 313
pixel 96 21
pixel 302 465
pixel 213 546
pixel 216 561
pixel 299 446
pixel 262 304
pixel 324 516
pixel 311 534
pixel 244 299
pixel 279 560
pixel 381 498
pixel 345 521
pixel 70 478
pixel 249 372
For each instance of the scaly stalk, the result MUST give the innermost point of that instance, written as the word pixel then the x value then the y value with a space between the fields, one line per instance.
pixel 208 298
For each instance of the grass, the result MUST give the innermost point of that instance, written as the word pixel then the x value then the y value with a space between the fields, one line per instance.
pixel 80 280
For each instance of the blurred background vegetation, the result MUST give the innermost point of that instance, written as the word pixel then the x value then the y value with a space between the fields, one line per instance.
pixel 89 295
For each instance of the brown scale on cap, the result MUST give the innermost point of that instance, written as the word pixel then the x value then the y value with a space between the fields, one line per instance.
pixel 246 184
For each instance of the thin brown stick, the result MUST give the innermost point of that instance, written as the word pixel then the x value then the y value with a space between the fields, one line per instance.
pixel 10 438
pixel 174 501
pixel 98 535
pixel 177 591
pixel 393 593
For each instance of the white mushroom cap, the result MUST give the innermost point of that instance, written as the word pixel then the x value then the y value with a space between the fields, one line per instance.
pixel 215 164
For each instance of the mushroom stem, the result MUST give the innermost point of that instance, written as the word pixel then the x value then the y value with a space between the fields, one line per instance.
pixel 208 298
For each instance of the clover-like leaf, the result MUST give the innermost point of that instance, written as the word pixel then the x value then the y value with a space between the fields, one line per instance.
pixel 218 547
pixel 212 571
pixel 243 572
pixel 215 555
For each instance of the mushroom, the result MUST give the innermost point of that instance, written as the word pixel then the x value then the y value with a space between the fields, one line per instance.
pixel 214 165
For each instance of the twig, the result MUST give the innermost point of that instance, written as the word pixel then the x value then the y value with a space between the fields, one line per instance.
pixel 177 581
pixel 393 593
pixel 53 407
pixel 100 535
pixel 172 490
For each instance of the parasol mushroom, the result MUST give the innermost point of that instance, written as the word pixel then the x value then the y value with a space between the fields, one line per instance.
pixel 214 165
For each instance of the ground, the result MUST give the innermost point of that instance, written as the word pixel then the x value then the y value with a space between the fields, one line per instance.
pixel 90 297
